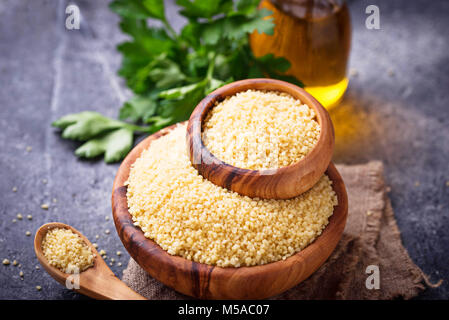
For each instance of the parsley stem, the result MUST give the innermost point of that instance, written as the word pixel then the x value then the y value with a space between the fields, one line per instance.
pixel 137 128
pixel 210 68
pixel 170 29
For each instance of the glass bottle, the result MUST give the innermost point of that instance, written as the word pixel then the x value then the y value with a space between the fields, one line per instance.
pixel 315 36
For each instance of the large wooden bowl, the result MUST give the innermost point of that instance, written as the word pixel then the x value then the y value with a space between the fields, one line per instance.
pixel 209 282
pixel 282 183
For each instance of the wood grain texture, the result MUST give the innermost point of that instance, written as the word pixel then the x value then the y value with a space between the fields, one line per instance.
pixel 97 282
pixel 209 282
pixel 282 183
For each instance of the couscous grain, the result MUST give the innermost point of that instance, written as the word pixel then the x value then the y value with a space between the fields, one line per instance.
pixel 191 217
pixel 66 251
pixel 260 130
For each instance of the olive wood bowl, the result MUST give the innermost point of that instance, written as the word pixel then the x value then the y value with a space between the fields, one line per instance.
pixel 210 282
pixel 280 183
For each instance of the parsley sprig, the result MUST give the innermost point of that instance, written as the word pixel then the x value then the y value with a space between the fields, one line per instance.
pixel 170 72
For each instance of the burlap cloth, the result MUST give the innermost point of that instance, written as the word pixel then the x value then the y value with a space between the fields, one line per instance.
pixel 371 237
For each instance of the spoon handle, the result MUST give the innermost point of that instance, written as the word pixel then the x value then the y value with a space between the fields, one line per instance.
pixel 105 286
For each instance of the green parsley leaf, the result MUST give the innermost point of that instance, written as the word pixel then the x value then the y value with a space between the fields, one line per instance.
pixel 181 92
pixel 85 125
pixel 274 67
pixel 103 135
pixel 260 22
pixel 246 7
pixel 115 145
pixel 237 27
pixel 273 63
pixel 179 103
pixel 155 8
pixel 204 8
pixel 138 108
pixel 138 9
pixel 165 73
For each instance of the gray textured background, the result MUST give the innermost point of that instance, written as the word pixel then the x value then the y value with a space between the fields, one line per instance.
pixel 395 110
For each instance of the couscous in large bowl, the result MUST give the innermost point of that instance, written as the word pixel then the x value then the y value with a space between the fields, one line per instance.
pixel 210 281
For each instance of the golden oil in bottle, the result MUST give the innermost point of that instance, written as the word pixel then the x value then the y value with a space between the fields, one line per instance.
pixel 315 36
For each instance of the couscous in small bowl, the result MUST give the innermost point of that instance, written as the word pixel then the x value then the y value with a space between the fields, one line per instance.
pixel 278 182
pixel 211 282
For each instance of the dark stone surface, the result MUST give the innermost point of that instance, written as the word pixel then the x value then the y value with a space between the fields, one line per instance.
pixel 396 110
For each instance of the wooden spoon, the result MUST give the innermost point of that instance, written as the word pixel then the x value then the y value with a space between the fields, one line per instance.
pixel 281 183
pixel 97 282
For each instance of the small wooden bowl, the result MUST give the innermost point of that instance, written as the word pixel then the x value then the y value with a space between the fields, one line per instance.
pixel 282 183
pixel 209 282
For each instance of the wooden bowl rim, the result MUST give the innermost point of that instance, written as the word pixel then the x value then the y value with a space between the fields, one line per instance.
pixel 146 247
pixel 221 93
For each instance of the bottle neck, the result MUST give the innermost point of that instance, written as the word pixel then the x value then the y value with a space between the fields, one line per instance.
pixel 308 9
